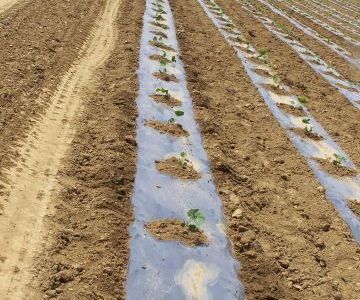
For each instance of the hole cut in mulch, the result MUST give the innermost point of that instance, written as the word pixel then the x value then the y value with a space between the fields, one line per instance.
pixel 336 169
pixel 161 45
pixel 172 230
pixel 307 134
pixel 238 39
pixel 159 58
pixel 168 100
pixel 332 74
pixel 355 207
pixel 166 77
pixel 163 26
pixel 159 33
pixel 173 167
pixel 297 111
pixel 167 128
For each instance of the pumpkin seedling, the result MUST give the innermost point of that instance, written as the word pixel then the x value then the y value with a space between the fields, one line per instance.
pixel 183 160
pixel 163 64
pixel 338 159
pixel 158 39
pixel 179 113
pixel 195 219
pixel 163 92
pixel 275 80
pixel 302 99
pixel 159 17
pixel 262 52
pixel 171 121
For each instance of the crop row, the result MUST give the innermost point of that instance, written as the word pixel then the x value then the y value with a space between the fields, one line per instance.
pixel 324 156
pixel 178 245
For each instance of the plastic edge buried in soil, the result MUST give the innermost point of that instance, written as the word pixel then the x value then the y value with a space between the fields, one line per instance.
pixel 168 269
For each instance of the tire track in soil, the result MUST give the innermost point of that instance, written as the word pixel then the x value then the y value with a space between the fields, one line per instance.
pixel 6 4
pixel 30 184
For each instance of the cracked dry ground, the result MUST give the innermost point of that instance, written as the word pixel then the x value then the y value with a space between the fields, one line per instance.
pixel 68 89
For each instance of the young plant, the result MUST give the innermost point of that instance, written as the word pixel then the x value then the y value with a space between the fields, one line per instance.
pixel 158 40
pixel 171 121
pixel 338 159
pixel 275 80
pixel 302 99
pixel 308 127
pixel 179 113
pixel 262 52
pixel 195 219
pixel 163 64
pixel 163 92
pixel 183 160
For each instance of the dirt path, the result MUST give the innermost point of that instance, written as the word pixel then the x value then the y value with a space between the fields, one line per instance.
pixel 282 228
pixel 6 4
pixel 29 185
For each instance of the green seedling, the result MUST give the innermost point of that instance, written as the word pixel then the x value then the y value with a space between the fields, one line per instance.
pixel 195 219
pixel 179 113
pixel 275 80
pixel 338 159
pixel 171 121
pixel 183 160
pixel 163 92
pixel 163 64
pixel 302 99
pixel 158 40
pixel 159 17
pixel 173 58
pixel 262 52
pixel 306 121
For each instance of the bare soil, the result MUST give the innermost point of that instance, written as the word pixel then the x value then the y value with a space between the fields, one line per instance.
pixel 87 250
pixel 355 207
pixel 173 230
pixel 168 100
pixel 285 236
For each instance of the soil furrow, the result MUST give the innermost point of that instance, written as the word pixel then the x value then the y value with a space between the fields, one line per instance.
pixel 87 250
pixel 30 184
pixel 282 229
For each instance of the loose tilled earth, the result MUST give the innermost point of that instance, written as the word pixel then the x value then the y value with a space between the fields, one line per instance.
pixel 68 89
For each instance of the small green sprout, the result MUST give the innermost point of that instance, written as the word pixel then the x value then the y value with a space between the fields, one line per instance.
pixel 183 160
pixel 159 17
pixel 158 40
pixel 275 80
pixel 263 52
pixel 179 113
pixel 163 64
pixel 306 121
pixel 173 58
pixel 302 99
pixel 338 159
pixel 163 92
pixel 171 121
pixel 195 219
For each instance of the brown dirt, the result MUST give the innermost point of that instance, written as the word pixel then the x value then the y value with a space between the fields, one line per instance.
pixel 286 235
pixel 277 90
pixel 327 34
pixel 159 58
pixel 295 111
pixel 173 167
pixel 307 135
pixel 345 68
pixel 172 230
pixel 336 169
pixel 166 77
pixel 86 256
pixel 163 26
pixel 160 34
pixel 40 40
pixel 355 207
pixel 168 128
pixel 170 101
pixel 333 111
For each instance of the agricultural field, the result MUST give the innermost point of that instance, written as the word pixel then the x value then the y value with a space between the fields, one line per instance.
pixel 169 150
